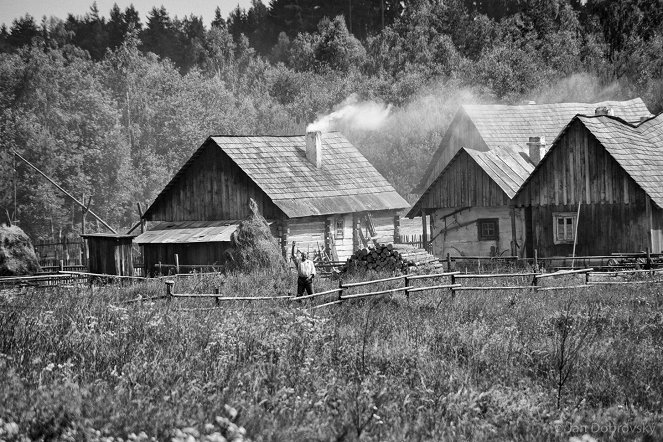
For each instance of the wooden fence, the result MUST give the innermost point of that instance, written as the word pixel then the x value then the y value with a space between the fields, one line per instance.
pixel 71 252
pixel 452 282
pixel 615 261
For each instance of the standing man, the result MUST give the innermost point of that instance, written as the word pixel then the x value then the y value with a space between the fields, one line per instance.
pixel 305 272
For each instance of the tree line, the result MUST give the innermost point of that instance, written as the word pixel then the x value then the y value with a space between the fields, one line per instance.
pixel 111 108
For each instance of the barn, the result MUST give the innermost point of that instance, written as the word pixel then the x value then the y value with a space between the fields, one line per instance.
pixel 604 175
pixel 315 189
pixel 486 154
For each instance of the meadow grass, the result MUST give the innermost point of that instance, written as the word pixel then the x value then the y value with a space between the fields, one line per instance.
pixel 77 364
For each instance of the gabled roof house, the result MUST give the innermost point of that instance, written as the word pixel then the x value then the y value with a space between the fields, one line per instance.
pixel 604 175
pixel 317 190
pixel 485 156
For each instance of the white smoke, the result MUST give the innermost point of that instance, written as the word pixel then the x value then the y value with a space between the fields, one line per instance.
pixel 352 114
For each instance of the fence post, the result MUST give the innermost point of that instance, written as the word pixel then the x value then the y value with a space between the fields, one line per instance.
pixel 536 260
pixel 340 289
pixel 453 289
pixel 407 292
pixel 177 264
pixel 448 262
pixel 169 290
pixel 216 292
pixel 61 265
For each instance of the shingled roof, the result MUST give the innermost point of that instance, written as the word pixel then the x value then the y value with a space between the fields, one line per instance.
pixel 511 126
pixel 637 148
pixel 504 165
pixel 345 183
pixel 507 167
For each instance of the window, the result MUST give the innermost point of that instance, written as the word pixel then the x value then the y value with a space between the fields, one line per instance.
pixel 340 226
pixel 564 227
pixel 489 229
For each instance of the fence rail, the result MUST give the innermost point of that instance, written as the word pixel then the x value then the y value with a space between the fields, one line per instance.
pixel 452 285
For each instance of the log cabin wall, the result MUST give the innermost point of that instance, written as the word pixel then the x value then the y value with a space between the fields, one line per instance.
pixel 613 212
pixel 458 232
pixel 383 223
pixel 213 187
pixel 342 231
pixel 309 233
pixel 461 133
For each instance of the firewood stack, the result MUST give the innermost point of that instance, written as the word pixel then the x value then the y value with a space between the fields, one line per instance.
pixel 390 257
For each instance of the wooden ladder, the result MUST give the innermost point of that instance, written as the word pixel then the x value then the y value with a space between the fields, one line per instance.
pixel 371 228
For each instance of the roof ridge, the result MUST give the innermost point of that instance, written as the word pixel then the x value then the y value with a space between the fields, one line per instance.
pixel 270 135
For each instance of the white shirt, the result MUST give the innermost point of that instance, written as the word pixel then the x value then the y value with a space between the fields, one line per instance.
pixel 305 268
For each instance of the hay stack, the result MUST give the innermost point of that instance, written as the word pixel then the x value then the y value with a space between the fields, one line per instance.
pixel 253 245
pixel 17 255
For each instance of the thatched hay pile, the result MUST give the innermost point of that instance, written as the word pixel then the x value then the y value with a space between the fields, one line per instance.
pixel 254 246
pixel 17 256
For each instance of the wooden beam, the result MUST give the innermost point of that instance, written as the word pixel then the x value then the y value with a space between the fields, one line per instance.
pixel 424 227
pixel 66 193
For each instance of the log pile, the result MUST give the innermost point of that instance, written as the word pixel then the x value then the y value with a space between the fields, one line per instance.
pixel 390 257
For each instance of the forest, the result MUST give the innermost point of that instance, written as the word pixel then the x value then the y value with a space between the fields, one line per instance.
pixel 110 106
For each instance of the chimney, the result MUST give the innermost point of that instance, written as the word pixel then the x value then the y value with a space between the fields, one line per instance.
pixel 314 148
pixel 535 145
pixel 604 110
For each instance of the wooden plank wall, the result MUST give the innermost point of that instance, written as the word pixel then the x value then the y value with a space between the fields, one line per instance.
pixel 464 184
pixel 657 229
pixel 461 133
pixel 188 254
pixel 458 234
pixel 110 256
pixel 613 214
pixel 212 188
pixel 603 229
pixel 579 168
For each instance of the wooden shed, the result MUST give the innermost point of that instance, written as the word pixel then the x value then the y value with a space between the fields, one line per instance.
pixel 110 254
pixel 605 175
pixel 483 159
pixel 317 190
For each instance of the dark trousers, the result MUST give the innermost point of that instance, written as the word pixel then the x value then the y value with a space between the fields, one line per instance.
pixel 304 283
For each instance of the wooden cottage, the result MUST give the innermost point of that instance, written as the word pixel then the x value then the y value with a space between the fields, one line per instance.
pixel 317 190
pixel 483 159
pixel 606 175
pixel 469 204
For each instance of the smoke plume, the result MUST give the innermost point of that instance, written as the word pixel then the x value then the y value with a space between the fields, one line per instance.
pixel 353 114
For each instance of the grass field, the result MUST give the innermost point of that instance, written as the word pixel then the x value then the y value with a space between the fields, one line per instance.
pixel 76 365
